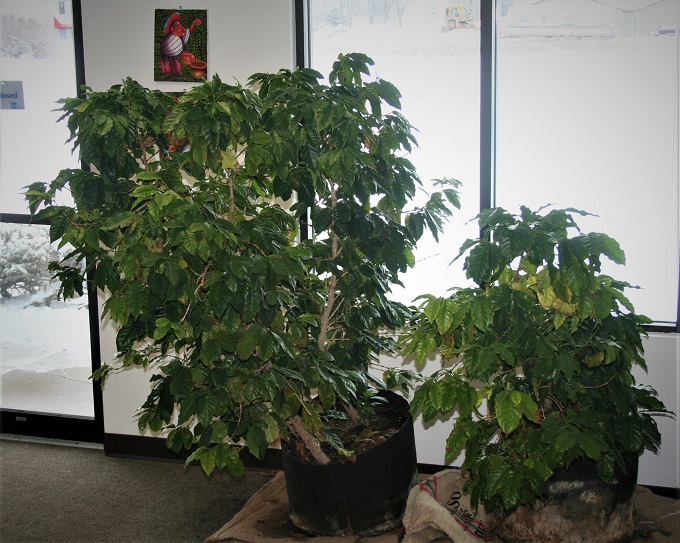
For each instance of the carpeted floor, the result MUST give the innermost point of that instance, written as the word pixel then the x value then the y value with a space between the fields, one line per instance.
pixel 56 493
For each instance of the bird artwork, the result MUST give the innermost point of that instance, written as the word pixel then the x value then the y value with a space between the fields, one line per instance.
pixel 181 45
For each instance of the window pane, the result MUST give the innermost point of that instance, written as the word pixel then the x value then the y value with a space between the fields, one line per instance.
pixel 45 342
pixel 45 357
pixel 587 117
pixel 434 61
pixel 36 48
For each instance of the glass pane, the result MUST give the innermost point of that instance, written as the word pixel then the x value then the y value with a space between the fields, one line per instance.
pixel 433 59
pixel 45 355
pixel 45 342
pixel 36 48
pixel 587 117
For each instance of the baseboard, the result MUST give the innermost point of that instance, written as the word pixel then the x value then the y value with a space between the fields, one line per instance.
pixel 154 448
pixel 665 491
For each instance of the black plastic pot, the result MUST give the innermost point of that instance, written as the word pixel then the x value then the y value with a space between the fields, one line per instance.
pixel 581 507
pixel 365 497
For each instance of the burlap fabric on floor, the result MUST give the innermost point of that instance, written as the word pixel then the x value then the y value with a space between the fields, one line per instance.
pixel 438 507
pixel 264 519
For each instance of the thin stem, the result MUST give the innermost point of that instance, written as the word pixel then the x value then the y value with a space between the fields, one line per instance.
pixel 333 282
pixel 201 282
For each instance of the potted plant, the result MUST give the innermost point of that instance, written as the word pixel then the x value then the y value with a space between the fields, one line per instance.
pixel 189 220
pixel 536 371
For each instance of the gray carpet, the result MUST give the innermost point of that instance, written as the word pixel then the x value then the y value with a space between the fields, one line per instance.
pixel 56 493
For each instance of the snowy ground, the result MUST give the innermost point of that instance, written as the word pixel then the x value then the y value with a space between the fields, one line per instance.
pixel 45 348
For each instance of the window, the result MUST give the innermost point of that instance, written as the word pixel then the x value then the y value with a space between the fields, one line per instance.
pixel 589 120
pixel 46 348
pixel 432 55
pixel 44 366
pixel 580 115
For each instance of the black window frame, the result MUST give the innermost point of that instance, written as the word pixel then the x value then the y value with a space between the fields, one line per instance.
pixel 53 425
pixel 487 110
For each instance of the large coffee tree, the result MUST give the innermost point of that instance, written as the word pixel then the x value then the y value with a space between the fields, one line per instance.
pixel 189 217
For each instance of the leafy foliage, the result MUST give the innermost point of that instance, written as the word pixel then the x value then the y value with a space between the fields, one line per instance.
pixel 185 219
pixel 537 358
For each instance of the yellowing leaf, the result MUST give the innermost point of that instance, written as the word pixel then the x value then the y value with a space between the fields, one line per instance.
pixel 594 360
pixel 546 297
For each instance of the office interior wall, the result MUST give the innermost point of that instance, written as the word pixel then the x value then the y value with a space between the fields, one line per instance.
pixel 247 37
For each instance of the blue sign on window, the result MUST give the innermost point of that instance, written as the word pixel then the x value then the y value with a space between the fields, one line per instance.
pixel 12 94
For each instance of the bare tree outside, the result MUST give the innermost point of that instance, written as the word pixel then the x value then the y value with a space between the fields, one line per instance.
pixel 346 10
pixel 399 6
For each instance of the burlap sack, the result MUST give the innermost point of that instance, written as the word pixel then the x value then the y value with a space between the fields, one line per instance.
pixel 437 508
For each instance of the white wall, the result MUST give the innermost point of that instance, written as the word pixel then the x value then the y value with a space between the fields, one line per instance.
pixel 247 37
pixel 662 354
pixel 244 37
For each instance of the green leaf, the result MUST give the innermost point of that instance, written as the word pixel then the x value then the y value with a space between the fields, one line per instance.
pixel 182 383
pixel 455 442
pixel 510 488
pixel 163 326
pixel 256 441
pixel 421 345
pixel 565 440
pixel 540 466
pixel 246 346
pixel 629 433
pixel 606 466
pixel 180 438
pixel 218 296
pixel 206 408
pixel 134 299
pixel 145 191
pixel 603 303
pixel 481 362
pixel 271 429
pixel 483 261
pixel 435 395
pixel 481 313
pixel 127 335
pixel 497 471
pixel 227 457
pixel 119 220
pixel 592 444
pixel 527 405
pixel 389 93
pixel 209 460
pixel 441 312
pixel 116 306
pixel 507 410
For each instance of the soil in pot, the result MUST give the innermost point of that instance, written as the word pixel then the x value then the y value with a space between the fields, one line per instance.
pixel 364 495
pixel 581 508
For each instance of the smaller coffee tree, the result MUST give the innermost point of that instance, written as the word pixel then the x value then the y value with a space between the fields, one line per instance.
pixel 537 358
